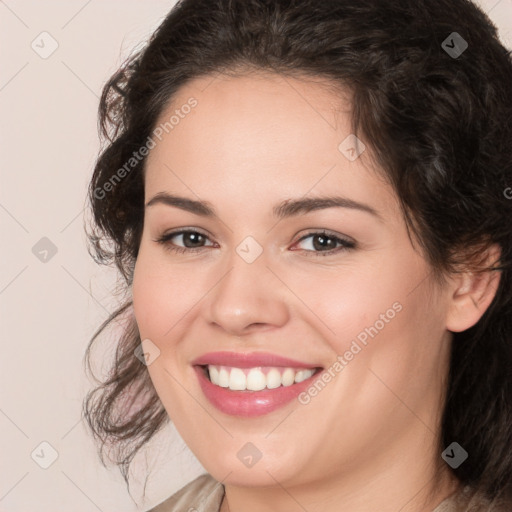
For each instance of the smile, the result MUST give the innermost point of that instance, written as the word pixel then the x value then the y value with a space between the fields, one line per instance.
pixel 256 379
pixel 249 385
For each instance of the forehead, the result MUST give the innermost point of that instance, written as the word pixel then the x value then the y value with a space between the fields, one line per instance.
pixel 258 135
pixel 254 112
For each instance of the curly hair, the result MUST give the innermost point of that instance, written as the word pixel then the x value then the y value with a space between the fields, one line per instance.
pixel 440 127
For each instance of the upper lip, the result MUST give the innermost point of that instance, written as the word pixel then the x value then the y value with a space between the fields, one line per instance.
pixel 249 360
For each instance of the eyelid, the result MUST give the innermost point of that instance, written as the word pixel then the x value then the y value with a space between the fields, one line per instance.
pixel 180 231
pixel 327 232
pixel 348 243
pixel 165 238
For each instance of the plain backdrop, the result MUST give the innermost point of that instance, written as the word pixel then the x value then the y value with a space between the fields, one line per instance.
pixel 55 57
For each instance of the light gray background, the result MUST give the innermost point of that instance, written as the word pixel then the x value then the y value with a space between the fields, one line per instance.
pixel 49 310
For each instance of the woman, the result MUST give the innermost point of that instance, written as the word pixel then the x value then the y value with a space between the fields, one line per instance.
pixel 308 203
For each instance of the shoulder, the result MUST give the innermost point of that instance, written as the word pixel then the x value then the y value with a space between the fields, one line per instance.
pixel 204 494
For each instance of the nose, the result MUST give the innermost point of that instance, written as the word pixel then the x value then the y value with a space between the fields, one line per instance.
pixel 249 298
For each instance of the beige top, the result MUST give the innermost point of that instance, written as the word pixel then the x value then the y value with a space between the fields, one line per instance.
pixel 204 494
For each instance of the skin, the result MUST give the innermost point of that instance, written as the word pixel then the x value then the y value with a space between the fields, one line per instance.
pixel 370 439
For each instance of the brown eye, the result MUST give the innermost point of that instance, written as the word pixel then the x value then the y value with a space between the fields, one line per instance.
pixel 327 243
pixel 181 241
pixel 191 239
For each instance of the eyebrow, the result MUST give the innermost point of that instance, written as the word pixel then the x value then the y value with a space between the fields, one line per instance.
pixel 287 208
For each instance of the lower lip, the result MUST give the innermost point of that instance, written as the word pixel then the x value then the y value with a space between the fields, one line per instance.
pixel 249 404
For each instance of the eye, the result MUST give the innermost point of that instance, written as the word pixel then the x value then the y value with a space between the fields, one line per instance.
pixel 325 243
pixel 321 243
pixel 191 240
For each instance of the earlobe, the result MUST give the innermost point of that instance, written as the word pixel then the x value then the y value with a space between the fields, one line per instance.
pixel 472 293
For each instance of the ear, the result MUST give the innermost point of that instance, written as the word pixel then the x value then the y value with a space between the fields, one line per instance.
pixel 471 293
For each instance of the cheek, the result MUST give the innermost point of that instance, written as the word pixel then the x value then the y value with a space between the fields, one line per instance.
pixel 160 295
pixel 161 300
pixel 393 339
pixel 343 301
pixel 145 296
pixel 388 306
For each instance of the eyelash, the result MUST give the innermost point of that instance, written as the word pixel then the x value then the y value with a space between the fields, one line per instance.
pixel 346 244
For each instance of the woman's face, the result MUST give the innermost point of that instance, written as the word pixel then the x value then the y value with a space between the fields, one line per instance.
pixel 335 286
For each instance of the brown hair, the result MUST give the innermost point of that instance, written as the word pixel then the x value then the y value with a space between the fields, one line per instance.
pixel 440 125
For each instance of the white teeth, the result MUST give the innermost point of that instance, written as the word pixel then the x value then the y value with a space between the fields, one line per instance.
pixel 288 377
pixel 255 379
pixel 214 374
pixel 223 378
pixel 237 380
pixel 303 375
pixel 273 379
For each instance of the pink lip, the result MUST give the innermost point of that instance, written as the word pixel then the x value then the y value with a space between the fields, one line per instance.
pixel 250 360
pixel 249 403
